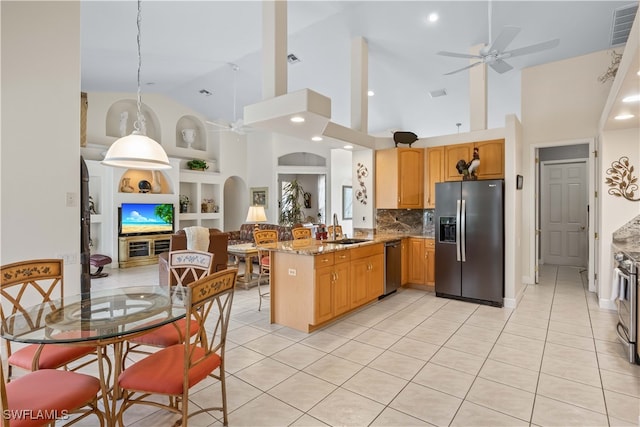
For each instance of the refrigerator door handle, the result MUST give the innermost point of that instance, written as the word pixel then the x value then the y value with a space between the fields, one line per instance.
pixel 463 227
pixel 457 230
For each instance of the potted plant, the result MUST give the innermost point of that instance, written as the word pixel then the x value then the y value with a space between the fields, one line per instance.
pixel 197 164
pixel 291 208
pixel 184 203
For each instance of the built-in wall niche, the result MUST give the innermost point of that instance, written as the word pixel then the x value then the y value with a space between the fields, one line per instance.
pixel 122 116
pixel 143 181
pixel 191 133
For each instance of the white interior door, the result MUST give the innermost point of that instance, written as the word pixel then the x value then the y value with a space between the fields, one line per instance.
pixel 564 213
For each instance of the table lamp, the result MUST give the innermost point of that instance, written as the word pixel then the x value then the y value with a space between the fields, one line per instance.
pixel 256 214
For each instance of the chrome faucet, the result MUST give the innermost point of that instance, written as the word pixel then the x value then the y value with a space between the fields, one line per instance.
pixel 335 226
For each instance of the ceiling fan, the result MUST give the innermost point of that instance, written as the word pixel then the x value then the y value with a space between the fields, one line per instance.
pixel 495 54
pixel 237 125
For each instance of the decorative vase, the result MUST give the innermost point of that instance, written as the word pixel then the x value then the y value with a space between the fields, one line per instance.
pixel 156 186
pixel 189 136
pixel 184 207
pixel 125 186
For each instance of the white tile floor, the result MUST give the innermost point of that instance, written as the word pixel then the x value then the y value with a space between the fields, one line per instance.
pixel 414 359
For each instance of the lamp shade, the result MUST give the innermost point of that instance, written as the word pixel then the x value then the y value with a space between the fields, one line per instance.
pixel 137 151
pixel 256 214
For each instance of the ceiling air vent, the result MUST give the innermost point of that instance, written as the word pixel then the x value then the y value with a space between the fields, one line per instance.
pixel 622 20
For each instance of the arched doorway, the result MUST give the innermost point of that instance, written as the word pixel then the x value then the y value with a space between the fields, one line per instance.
pixel 236 202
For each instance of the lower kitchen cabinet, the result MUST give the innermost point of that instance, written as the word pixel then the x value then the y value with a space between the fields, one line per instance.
pixel 404 247
pixel 308 291
pixel 422 261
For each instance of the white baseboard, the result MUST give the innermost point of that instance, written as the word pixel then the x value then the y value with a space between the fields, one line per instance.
pixel 607 303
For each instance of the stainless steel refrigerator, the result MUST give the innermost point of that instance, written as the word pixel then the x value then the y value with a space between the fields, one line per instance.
pixel 470 241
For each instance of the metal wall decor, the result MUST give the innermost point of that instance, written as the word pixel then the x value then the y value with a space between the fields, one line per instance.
pixel 361 193
pixel 621 180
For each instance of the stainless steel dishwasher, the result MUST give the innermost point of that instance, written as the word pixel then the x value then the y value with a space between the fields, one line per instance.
pixel 392 266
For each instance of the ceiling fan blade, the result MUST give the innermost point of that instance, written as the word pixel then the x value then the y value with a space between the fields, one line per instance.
pixel 539 47
pixel 459 55
pixel 222 127
pixel 505 37
pixel 500 66
pixel 464 68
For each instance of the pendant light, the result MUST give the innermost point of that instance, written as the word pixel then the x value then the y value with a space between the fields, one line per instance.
pixel 137 151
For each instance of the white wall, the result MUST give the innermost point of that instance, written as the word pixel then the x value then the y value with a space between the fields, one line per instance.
pixel 341 172
pixel 364 210
pixel 41 134
pixel 561 101
pixel 614 211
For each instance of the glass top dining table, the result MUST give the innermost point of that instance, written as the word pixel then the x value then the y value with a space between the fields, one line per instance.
pixel 97 317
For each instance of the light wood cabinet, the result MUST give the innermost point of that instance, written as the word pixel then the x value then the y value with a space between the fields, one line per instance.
pixel 422 261
pixel 404 250
pixel 491 159
pixel 430 271
pixel 491 154
pixel 400 178
pixel 134 251
pixel 308 291
pixel 367 274
pixel 452 154
pixel 435 173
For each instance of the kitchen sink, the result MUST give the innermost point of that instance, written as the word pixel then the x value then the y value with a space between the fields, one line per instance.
pixel 351 241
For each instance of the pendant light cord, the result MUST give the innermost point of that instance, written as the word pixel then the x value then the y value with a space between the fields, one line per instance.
pixel 139 125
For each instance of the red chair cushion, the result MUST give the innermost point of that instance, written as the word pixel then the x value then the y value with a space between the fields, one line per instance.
pixel 53 356
pixel 265 261
pixel 167 335
pixel 48 391
pixel 162 372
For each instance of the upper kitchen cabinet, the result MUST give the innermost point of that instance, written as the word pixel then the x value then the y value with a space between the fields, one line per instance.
pixel 400 178
pixel 435 173
pixel 491 159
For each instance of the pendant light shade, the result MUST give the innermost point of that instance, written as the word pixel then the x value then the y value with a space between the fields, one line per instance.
pixel 137 151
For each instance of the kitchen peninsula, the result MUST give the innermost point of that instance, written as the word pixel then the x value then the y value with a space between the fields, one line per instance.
pixel 314 282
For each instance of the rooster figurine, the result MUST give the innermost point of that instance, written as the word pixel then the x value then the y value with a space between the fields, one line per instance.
pixel 474 164
pixel 469 171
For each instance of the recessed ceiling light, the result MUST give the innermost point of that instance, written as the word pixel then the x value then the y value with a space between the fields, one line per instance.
pixel 348 147
pixel 297 119
pixel 370 93
pixel 632 98
pixel 433 17
pixel 623 116
pixel 316 138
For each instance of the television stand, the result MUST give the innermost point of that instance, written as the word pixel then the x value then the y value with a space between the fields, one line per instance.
pixel 134 251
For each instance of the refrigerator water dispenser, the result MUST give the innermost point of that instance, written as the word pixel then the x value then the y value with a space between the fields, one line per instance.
pixel 448 229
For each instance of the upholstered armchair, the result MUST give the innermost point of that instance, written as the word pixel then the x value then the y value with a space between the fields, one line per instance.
pixel 218 242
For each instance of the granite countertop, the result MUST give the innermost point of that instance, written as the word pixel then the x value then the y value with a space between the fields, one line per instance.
pixel 627 239
pixel 315 247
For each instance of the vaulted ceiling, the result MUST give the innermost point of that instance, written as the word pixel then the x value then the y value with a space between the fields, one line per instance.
pixel 188 47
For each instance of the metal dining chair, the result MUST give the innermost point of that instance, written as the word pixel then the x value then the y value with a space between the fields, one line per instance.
pixel 39 397
pixel 174 370
pixel 26 283
pixel 265 240
pixel 185 266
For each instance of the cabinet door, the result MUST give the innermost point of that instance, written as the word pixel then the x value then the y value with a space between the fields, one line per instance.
pixel 375 277
pixel 430 271
pixel 491 159
pixel 386 179
pixel 404 278
pixel 416 263
pixel 341 302
pixel 410 178
pixel 358 285
pixel 323 308
pixel 435 173
pixel 454 153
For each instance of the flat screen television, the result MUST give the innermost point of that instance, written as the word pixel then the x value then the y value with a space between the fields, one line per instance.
pixel 136 219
